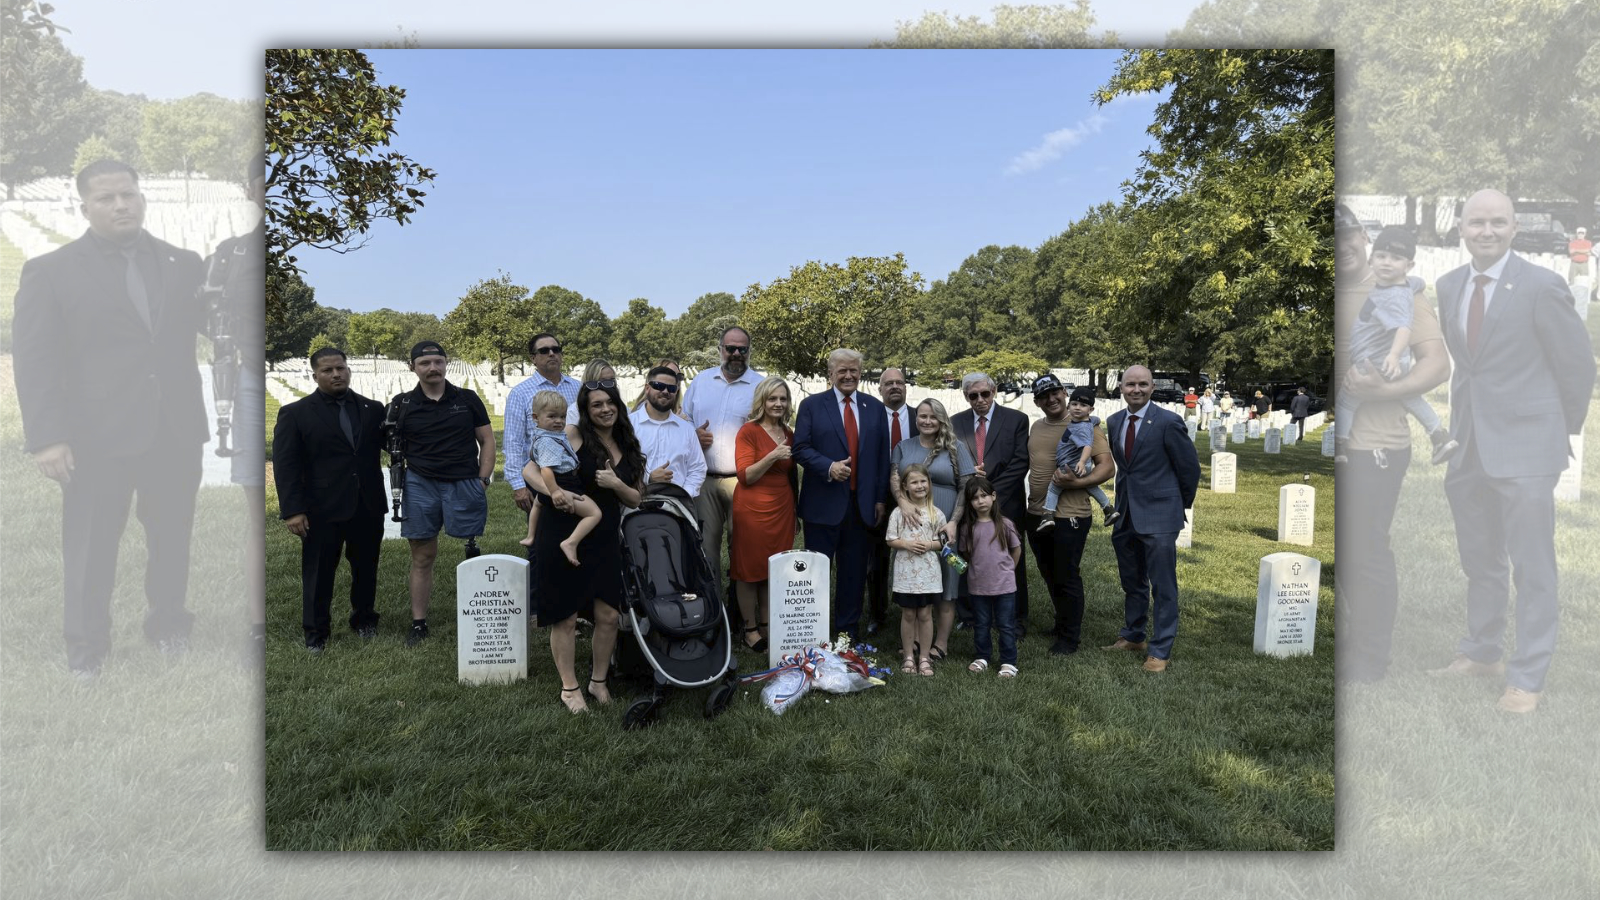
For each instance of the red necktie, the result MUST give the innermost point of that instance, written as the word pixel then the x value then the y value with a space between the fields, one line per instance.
pixel 894 432
pixel 983 432
pixel 1475 311
pixel 851 438
pixel 1127 443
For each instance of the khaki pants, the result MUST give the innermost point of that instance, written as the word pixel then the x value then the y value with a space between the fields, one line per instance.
pixel 714 507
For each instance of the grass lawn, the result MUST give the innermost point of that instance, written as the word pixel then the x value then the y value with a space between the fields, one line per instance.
pixel 377 747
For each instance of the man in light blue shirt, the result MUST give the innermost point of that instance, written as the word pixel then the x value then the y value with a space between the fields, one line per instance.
pixel 718 405
pixel 545 351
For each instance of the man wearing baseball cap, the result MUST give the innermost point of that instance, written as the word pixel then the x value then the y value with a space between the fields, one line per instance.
pixel 448 443
pixel 1579 252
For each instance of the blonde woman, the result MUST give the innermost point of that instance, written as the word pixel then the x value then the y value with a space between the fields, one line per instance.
pixel 949 464
pixel 763 502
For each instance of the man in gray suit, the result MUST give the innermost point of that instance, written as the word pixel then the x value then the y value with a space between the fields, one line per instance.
pixel 1158 473
pixel 1514 335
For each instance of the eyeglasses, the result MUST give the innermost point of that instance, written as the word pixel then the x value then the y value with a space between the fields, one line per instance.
pixel 545 351
pixel 980 395
pixel 733 350
pixel 597 385
pixel 664 388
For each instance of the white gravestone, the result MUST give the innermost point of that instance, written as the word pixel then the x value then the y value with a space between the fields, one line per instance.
pixel 1253 429
pixel 1286 604
pixel 1328 442
pixel 1192 426
pixel 1291 434
pixel 1273 440
pixel 1297 508
pixel 1219 439
pixel 1580 297
pixel 1569 485
pixel 1239 432
pixel 492 619
pixel 1186 536
pixel 1224 473
pixel 797 603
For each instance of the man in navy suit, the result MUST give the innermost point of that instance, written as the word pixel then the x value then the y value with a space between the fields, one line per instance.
pixel 841 441
pixel 1002 457
pixel 111 407
pixel 1524 372
pixel 1158 473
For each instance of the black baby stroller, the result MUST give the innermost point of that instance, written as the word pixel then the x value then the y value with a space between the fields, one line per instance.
pixel 672 606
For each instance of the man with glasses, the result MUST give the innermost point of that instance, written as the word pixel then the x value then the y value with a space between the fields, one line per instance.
pixel 717 405
pixel 671 450
pixel 545 351
pixel 998 439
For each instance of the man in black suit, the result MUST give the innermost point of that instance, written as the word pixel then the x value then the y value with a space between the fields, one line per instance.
pixel 111 406
pixel 330 494
pixel 1002 457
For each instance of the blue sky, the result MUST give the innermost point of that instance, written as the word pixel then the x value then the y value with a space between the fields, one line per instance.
pixel 668 174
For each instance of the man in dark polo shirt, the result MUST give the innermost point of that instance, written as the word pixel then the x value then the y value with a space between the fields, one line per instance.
pixel 449 452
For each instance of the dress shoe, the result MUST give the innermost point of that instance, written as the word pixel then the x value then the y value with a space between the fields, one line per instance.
pixel 1517 700
pixel 173 646
pixel 1152 664
pixel 1124 644
pixel 1464 665
pixel 86 673
pixel 872 628
pixel 367 632
pixel 315 646
pixel 1062 648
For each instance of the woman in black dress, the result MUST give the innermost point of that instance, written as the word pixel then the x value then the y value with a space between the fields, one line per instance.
pixel 611 466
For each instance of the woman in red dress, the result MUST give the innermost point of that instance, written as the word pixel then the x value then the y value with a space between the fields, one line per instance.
pixel 763 503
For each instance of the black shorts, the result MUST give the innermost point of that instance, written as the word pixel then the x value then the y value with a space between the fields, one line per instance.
pixel 916 601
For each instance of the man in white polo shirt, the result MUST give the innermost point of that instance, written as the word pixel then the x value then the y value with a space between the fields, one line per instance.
pixel 671 450
pixel 717 405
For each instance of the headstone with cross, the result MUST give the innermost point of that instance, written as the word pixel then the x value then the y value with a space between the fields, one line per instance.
pixel 492 619
pixel 1297 513
pixel 1286 604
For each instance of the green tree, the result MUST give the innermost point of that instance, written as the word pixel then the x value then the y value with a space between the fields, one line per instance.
pixel 201 133
pixel 1004 366
pixel 335 323
pixel 492 320
pixel 697 328
pixel 291 323
pixel 1021 27
pixel 580 323
pixel 42 95
pixel 329 178
pixel 417 327
pixel 1079 277
pixel 317 342
pixel 93 149
pixel 377 332
pixel 118 119
pixel 985 304
pixel 640 335
pixel 798 320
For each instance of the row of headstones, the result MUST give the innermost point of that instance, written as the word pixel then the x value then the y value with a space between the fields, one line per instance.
pixel 1297 507
pixel 492 609
pixel 1273 439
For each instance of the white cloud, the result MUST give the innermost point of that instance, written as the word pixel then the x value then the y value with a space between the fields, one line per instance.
pixel 1055 145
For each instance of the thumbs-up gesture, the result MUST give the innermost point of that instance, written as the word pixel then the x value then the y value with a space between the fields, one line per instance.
pixel 662 472
pixel 704 434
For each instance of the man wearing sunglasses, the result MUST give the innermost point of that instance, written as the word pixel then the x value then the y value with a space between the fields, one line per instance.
pixel 717 405
pixel 671 450
pixel 998 439
pixel 545 351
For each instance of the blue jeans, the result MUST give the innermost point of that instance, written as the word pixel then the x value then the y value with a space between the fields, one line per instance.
pixel 995 611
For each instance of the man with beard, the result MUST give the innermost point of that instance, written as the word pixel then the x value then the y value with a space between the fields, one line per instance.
pixel 718 404
pixel 449 451
pixel 330 494
pixel 902 424
pixel 671 449
pixel 1380 452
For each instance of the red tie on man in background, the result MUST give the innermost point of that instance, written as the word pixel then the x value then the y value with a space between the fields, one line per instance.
pixel 981 434
pixel 851 438
pixel 1475 311
pixel 894 432
pixel 1127 443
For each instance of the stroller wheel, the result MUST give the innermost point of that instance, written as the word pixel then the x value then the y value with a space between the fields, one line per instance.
pixel 717 703
pixel 639 714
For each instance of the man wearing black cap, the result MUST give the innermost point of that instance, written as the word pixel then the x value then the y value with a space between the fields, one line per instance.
pixel 330 494
pixel 1378 456
pixel 449 452
pixel 1058 551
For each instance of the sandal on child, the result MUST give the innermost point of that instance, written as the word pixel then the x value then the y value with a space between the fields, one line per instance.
pixel 926 668
pixel 978 665
pixel 1008 671
pixel 908 666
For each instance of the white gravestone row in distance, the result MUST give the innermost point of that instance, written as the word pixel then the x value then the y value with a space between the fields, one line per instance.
pixel 1239 432
pixel 1273 441
pixel 1328 446
pixel 1219 439
pixel 1186 535
pixel 1253 429
pixel 1286 604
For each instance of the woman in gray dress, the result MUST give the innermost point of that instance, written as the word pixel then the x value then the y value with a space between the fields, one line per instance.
pixel 949 465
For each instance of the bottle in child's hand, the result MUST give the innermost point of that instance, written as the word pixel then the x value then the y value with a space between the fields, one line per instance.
pixel 951 557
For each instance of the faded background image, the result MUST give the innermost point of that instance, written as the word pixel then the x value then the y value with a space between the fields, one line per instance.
pixel 149 785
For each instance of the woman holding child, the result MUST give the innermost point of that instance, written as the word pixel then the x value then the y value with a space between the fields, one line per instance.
pixel 610 470
pixel 949 465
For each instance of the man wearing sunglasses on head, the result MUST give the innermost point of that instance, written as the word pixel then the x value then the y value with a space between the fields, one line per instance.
pixel 545 351
pixel 718 404
pixel 671 449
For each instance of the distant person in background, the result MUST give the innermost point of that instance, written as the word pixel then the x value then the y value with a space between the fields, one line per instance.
pixel 1299 408
pixel 1580 255
pixel 106 375
pixel 1208 406
pixel 1225 407
pixel 1260 406
pixel 718 402
pixel 1191 400
pixel 1518 344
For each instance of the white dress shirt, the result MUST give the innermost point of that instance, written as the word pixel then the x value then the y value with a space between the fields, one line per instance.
pixel 670 442
pixel 908 422
pixel 726 405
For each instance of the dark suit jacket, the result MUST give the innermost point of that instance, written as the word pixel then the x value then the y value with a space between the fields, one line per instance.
pixel 819 442
pixel 1005 454
pixel 1159 483
pixel 317 471
pixel 89 373
pixel 1528 384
